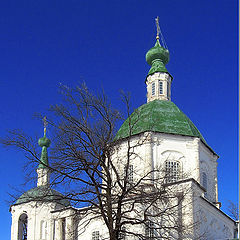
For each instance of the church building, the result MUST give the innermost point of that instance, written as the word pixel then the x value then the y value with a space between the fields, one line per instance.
pixel 168 146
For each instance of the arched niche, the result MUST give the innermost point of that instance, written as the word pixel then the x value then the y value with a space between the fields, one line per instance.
pixel 22 227
pixel 205 172
pixel 172 155
pixel 43 230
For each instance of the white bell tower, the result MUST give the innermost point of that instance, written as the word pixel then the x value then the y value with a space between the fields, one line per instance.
pixel 159 86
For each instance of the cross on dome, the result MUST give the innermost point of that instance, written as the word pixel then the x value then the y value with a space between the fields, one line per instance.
pixel 45 123
pixel 157 25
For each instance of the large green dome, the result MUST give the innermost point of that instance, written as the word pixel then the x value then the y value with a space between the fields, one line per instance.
pixel 43 194
pixel 159 116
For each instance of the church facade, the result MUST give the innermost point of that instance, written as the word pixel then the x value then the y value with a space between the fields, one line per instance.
pixel 167 147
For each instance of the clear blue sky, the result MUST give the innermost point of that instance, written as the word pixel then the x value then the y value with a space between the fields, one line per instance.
pixel 44 43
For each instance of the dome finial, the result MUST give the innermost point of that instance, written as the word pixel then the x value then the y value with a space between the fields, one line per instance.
pixel 45 123
pixel 157 26
pixel 158 56
pixel 44 142
pixel 43 167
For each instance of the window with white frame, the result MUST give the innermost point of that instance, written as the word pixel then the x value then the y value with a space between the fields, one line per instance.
pixel 129 174
pixel 95 235
pixel 149 230
pixel 204 182
pixel 160 87
pixel 122 234
pixel 153 89
pixel 172 171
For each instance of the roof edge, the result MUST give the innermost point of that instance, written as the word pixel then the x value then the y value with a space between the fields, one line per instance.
pixel 211 204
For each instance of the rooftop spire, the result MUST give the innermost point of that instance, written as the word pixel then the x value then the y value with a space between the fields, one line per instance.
pixel 158 56
pixel 45 123
pixel 157 26
pixel 44 142
pixel 158 80
pixel 43 170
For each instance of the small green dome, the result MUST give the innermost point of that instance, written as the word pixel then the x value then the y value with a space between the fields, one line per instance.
pixel 157 52
pixel 43 194
pixel 157 57
pixel 159 116
pixel 44 142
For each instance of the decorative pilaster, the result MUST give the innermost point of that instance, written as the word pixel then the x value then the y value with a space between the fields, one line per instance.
pixel 148 152
pixel 43 176
pixel 69 228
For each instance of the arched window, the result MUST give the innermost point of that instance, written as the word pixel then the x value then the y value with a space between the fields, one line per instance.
pixel 122 233
pixel 129 173
pixel 153 89
pixel 22 227
pixel 149 230
pixel 95 235
pixel 172 171
pixel 204 183
pixel 160 87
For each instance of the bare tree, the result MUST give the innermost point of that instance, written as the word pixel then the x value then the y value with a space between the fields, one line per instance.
pixel 96 170
pixel 233 210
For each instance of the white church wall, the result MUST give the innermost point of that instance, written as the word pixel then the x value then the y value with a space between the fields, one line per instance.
pixel 64 224
pixel 89 225
pixel 140 156
pixel 208 165
pixel 39 220
pixel 152 150
pixel 178 148
pixel 214 224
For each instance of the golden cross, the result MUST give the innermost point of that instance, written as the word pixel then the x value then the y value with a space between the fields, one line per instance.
pixel 45 123
pixel 157 25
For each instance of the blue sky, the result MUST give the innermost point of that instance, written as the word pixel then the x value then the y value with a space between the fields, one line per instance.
pixel 45 43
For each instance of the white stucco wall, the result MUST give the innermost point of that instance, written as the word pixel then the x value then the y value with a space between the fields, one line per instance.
pixel 40 220
pixel 208 164
pixel 151 150
pixel 214 224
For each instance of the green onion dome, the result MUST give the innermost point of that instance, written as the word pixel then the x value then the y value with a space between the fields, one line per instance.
pixel 44 142
pixel 157 57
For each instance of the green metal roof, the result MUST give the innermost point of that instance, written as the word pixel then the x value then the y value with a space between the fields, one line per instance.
pixel 43 194
pixel 159 116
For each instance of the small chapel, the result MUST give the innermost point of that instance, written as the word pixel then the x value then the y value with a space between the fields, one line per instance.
pixel 168 144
